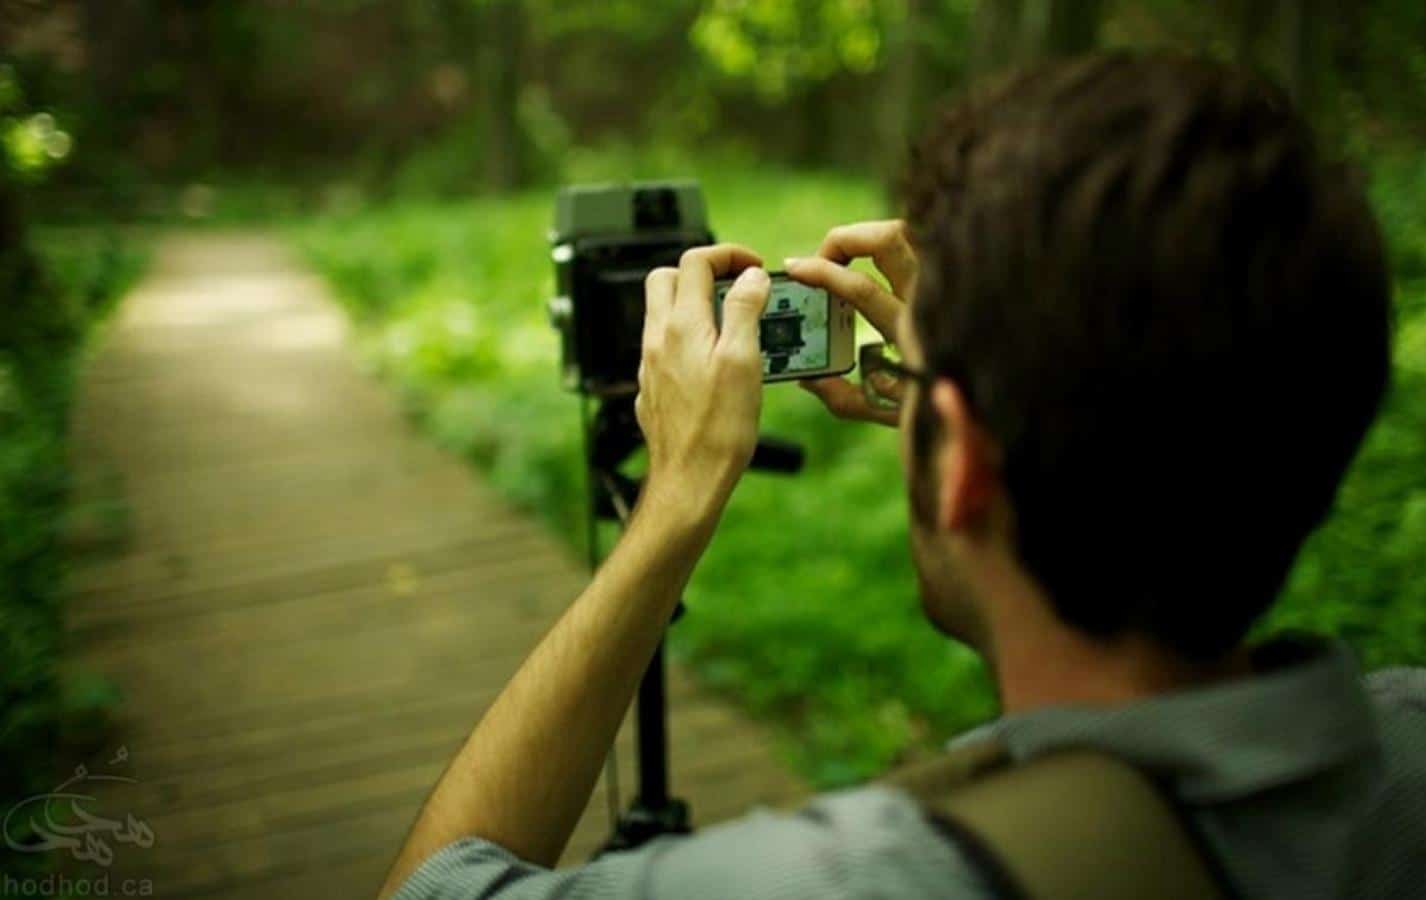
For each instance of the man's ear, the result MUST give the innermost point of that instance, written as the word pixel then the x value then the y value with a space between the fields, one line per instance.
pixel 965 461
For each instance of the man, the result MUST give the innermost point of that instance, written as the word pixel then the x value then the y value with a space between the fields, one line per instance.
pixel 1144 329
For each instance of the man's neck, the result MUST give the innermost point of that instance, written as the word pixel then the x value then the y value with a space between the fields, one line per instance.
pixel 1039 661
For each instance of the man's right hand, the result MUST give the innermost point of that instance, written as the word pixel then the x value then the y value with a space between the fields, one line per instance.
pixel 886 244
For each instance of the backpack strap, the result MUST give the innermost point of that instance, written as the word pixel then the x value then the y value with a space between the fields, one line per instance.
pixel 1071 824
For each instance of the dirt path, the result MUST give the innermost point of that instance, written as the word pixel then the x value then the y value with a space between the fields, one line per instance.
pixel 310 604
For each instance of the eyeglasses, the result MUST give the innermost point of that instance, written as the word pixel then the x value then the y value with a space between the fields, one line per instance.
pixel 885 375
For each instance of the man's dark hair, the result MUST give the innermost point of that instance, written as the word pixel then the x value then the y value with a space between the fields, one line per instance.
pixel 1173 317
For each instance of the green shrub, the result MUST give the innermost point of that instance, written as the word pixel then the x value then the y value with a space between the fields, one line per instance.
pixel 805 607
pixel 53 296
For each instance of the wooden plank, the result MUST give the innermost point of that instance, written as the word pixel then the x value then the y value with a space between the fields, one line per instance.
pixel 163 573
pixel 211 806
pixel 528 595
pixel 323 702
pixel 310 576
pixel 306 568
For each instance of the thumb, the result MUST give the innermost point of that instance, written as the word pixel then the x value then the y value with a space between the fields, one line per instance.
pixel 742 307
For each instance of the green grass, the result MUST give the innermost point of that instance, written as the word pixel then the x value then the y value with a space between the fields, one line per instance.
pixel 805 607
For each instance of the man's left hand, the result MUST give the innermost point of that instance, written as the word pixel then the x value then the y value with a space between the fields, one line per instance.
pixel 700 389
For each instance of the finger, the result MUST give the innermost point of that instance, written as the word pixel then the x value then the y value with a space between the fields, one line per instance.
pixel 888 385
pixel 743 305
pixel 846 401
pixel 887 245
pixel 697 268
pixel 658 299
pixel 881 308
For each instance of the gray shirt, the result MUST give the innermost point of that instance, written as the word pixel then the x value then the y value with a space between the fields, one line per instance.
pixel 1305 780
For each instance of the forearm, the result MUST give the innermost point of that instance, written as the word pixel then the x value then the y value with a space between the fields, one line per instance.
pixel 526 772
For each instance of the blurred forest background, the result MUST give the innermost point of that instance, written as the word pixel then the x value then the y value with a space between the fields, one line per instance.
pixel 410 149
pixel 435 97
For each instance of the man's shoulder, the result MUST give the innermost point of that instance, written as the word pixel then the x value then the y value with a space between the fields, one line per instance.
pixel 865 842
pixel 871 840
pixel 1398 698
pixel 1398 691
pixel 1387 837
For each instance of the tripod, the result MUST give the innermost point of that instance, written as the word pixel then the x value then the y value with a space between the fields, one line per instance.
pixel 610 437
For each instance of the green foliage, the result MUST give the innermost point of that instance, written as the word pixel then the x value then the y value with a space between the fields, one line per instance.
pixel 776 45
pixel 30 142
pixel 53 298
pixel 805 607
pixel 475 88
pixel 1396 196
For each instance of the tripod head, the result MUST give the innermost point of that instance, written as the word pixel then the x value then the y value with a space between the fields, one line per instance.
pixel 611 436
pixel 614 435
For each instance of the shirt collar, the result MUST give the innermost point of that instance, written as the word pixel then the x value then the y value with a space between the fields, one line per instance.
pixel 1304 712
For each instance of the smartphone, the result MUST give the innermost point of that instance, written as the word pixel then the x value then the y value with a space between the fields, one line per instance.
pixel 805 332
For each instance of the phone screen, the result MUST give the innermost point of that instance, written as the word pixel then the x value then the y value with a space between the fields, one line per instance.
pixel 795 333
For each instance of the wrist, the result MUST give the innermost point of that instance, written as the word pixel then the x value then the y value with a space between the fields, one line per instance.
pixel 665 540
pixel 681 509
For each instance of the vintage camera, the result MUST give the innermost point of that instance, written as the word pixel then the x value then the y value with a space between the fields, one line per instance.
pixel 606 238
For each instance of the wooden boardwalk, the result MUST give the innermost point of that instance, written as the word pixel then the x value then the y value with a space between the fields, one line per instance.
pixel 310 605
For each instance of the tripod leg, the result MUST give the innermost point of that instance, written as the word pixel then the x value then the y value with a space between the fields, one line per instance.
pixel 653 735
pixel 654 813
pixel 609 438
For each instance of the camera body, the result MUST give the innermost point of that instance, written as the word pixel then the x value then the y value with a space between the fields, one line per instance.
pixel 605 240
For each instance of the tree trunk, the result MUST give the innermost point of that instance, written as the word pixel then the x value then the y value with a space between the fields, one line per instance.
pixel 899 107
pixel 505 165
pixel 1249 20
pixel 113 49
pixel 1070 27
pixel 997 34
pixel 1300 56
